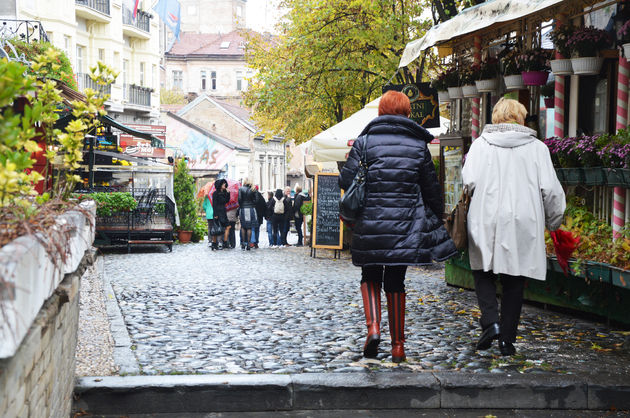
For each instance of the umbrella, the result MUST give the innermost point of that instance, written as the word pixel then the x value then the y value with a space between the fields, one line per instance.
pixel 565 243
pixel 233 187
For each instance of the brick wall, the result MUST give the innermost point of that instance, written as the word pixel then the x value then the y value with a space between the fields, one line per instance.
pixel 39 379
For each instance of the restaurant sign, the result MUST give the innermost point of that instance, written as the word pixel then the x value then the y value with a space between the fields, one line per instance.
pixel 141 147
pixel 425 107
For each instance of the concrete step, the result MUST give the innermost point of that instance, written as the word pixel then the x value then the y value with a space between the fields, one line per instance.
pixel 299 393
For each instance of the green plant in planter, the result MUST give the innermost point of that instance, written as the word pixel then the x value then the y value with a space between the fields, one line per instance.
pixel 108 204
pixel 489 69
pixel 451 77
pixel 184 191
pixel 439 83
pixel 307 210
pixel 200 230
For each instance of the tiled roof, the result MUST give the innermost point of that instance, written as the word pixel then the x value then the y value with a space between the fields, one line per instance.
pixel 208 44
pixel 240 112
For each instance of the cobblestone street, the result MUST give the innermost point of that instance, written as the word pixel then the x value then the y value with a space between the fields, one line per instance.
pixel 277 310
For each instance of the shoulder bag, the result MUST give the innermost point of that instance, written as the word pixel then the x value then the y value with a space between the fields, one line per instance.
pixel 353 200
pixel 456 223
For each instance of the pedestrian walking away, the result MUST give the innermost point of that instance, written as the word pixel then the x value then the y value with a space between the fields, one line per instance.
pixel 278 207
pixel 207 207
pixel 247 198
pixel 220 198
pixel 273 240
pixel 515 193
pixel 232 216
pixel 401 223
pixel 288 214
pixel 261 208
pixel 298 217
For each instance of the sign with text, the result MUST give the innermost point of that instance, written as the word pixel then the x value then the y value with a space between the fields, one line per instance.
pixel 140 148
pixel 425 107
pixel 327 227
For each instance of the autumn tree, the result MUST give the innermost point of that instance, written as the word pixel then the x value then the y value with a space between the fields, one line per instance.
pixel 331 57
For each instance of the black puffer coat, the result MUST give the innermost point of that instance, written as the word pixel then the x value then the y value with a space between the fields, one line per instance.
pixel 401 223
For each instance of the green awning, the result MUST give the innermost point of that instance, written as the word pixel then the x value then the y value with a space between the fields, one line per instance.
pixel 155 142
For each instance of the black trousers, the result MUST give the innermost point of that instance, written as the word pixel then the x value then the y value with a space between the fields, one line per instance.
pixel 511 301
pixel 391 277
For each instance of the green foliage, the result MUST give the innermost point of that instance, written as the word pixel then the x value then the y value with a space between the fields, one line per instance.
pixel 107 204
pixel 331 58
pixel 172 97
pixel 307 208
pixel 200 230
pixel 184 190
pixel 60 68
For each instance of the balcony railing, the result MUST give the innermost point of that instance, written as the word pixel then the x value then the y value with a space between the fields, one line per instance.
pixel 24 30
pixel 98 5
pixel 84 81
pixel 142 20
pixel 137 95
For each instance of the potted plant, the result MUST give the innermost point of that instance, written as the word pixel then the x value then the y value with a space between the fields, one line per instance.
pixel 452 80
pixel 534 66
pixel 468 77
pixel 440 85
pixel 615 156
pixel 585 44
pixel 184 191
pixel 488 73
pixel 559 36
pixel 548 92
pixel 623 35
pixel 511 74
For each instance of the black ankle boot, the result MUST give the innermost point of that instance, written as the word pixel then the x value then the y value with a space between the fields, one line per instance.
pixel 489 334
pixel 506 348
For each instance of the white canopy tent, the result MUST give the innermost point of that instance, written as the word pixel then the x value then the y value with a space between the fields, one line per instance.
pixel 334 143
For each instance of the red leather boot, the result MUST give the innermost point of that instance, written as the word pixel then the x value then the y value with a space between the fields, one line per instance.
pixel 396 313
pixel 371 292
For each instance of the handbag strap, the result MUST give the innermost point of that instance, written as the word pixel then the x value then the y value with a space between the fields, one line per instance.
pixel 363 160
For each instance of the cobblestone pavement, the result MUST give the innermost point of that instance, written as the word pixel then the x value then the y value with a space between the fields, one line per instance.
pixel 277 310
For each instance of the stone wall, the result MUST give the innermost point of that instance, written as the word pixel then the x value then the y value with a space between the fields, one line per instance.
pixel 39 379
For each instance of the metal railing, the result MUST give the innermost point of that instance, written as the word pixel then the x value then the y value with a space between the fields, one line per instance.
pixel 137 95
pixel 142 20
pixel 98 5
pixel 24 30
pixel 84 81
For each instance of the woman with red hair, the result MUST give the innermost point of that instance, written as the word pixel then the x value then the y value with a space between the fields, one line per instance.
pixel 401 222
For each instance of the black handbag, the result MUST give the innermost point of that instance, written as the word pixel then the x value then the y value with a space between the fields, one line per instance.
pixel 352 202
pixel 216 228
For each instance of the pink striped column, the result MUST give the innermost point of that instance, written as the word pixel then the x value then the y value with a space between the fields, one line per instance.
pixel 476 100
pixel 558 102
pixel 619 193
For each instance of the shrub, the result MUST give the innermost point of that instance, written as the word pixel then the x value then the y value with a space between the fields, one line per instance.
pixel 108 204
pixel 184 191
pixel 200 230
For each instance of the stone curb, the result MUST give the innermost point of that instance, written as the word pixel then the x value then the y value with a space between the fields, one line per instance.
pixel 347 391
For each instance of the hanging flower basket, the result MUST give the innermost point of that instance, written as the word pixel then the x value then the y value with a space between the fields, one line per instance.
pixel 443 96
pixel 618 177
pixel 455 93
pixel 594 176
pixel 587 65
pixel 626 50
pixel 549 102
pixel 535 78
pixel 514 82
pixel 470 91
pixel 561 67
pixel 485 86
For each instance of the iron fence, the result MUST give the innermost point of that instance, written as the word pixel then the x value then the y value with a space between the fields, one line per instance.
pixel 85 81
pixel 98 5
pixel 141 21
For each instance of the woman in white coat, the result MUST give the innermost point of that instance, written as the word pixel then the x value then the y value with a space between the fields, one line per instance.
pixel 515 194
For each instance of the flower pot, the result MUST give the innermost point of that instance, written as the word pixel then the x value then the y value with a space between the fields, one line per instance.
pixel 184 236
pixel 535 78
pixel 616 177
pixel 594 176
pixel 470 91
pixel 455 93
pixel 599 272
pixel 571 175
pixel 620 277
pixel 513 82
pixel 549 102
pixel 443 96
pixel 485 86
pixel 561 67
pixel 587 65
pixel 626 50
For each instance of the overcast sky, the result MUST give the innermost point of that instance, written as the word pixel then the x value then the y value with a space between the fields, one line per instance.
pixel 262 14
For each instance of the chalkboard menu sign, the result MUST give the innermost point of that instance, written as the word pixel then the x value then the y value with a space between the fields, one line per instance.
pixel 327 227
pixel 425 107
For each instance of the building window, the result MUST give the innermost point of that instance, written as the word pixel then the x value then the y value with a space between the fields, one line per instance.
pixel 225 44
pixel 178 80
pixel 66 45
pixel 101 55
pixel 79 59
pixel 154 81
pixel 203 80
pixel 239 11
pixel 239 80
pixel 213 80
pixel 124 77
pixel 142 74
pixel 600 107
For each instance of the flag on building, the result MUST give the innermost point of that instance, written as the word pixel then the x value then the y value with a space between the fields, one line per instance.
pixel 132 5
pixel 169 12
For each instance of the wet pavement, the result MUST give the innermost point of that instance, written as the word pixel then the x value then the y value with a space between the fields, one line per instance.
pixel 279 311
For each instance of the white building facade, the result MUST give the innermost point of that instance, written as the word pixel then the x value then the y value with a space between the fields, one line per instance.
pixel 103 30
